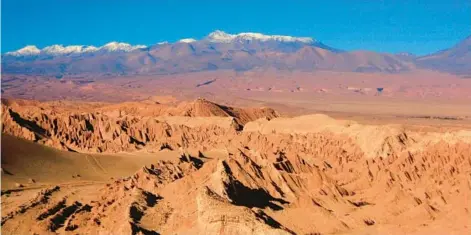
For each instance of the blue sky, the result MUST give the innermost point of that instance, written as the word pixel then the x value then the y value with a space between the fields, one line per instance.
pixel 415 26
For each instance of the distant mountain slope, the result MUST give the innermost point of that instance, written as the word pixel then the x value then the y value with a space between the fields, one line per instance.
pixel 219 50
pixel 456 60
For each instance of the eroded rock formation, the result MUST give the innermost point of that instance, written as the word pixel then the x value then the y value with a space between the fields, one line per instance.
pixel 305 175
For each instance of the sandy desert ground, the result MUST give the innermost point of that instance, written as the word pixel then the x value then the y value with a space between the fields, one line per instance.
pixel 166 166
pixel 415 93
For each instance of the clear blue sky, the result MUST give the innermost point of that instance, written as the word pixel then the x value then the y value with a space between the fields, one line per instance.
pixel 417 26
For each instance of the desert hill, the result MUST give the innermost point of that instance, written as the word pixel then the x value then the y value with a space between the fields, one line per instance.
pixel 270 175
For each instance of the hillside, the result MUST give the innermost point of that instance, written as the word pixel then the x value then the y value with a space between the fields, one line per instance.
pixel 24 162
pixel 456 60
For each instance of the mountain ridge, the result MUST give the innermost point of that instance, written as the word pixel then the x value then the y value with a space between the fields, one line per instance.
pixel 456 59
pixel 221 50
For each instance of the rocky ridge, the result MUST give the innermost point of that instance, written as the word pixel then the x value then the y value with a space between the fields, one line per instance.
pixel 304 175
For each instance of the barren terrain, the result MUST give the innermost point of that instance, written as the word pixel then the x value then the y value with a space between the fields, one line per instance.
pixel 406 95
pixel 165 166
pixel 241 133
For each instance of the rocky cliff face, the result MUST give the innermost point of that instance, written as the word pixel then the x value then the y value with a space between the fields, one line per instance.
pixel 102 130
pixel 305 175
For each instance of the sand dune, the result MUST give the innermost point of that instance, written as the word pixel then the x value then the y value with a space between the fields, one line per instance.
pixel 23 161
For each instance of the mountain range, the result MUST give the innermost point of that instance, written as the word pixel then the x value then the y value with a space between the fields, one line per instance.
pixel 455 60
pixel 220 50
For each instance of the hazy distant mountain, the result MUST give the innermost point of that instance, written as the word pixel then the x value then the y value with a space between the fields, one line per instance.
pixel 455 60
pixel 219 50
pixel 406 56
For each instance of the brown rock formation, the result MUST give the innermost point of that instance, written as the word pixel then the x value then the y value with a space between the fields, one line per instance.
pixel 304 175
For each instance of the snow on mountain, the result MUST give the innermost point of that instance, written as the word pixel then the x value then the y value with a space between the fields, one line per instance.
pixel 187 40
pixel 61 50
pixel 119 46
pixel 27 50
pixel 74 49
pixel 219 36
pixel 218 50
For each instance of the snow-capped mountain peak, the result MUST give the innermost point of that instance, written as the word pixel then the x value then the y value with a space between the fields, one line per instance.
pixel 56 50
pixel 187 40
pixel 219 36
pixel 25 51
pixel 61 50
pixel 120 46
